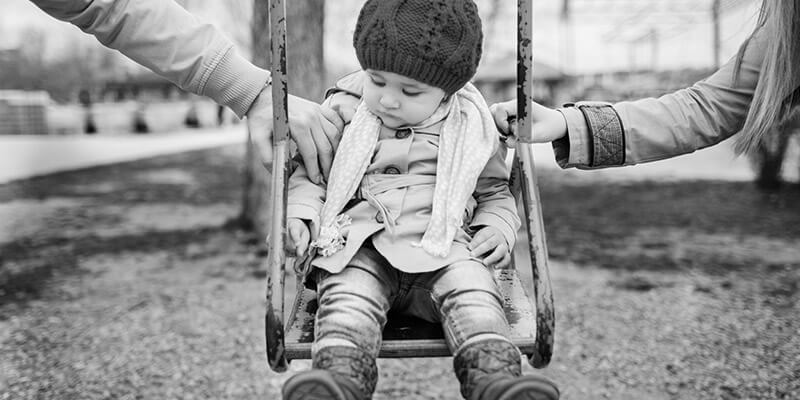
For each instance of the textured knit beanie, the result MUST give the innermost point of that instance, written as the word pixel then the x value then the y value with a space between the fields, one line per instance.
pixel 437 42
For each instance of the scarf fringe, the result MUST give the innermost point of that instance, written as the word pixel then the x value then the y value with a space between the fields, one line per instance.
pixel 330 239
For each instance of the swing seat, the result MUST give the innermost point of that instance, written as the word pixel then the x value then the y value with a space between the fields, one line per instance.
pixel 406 336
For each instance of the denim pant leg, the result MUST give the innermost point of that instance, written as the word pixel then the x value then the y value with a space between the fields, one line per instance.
pixel 353 303
pixel 469 304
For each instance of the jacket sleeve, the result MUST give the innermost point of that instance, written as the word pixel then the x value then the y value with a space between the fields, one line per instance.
pixel 496 205
pixel 167 39
pixel 305 197
pixel 652 129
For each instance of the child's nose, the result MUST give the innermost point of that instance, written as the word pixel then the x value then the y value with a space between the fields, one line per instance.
pixel 389 101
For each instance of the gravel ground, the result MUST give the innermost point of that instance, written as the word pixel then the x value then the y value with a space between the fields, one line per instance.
pixel 122 282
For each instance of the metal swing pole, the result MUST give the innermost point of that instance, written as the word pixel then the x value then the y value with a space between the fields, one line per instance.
pixel 274 319
pixel 545 321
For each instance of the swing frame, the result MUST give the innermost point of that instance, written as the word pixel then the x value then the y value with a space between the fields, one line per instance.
pixel 531 315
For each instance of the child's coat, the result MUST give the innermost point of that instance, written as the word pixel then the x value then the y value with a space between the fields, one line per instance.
pixel 401 179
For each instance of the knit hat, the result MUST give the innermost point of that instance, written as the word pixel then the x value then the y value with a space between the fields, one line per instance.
pixel 437 42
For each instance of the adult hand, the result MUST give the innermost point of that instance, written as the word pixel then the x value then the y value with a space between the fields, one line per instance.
pixel 344 104
pixel 490 244
pixel 315 129
pixel 548 124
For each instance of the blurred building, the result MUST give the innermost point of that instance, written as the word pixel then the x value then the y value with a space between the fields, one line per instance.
pixel 145 86
pixel 23 112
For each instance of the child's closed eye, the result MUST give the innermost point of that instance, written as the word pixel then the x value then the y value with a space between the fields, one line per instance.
pixel 411 93
pixel 377 83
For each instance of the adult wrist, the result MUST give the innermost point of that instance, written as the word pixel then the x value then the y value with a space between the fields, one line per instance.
pixel 236 83
pixel 264 97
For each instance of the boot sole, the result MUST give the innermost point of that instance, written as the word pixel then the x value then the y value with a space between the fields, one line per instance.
pixel 312 385
pixel 532 388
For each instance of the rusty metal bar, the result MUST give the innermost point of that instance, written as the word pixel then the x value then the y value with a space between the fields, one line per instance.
pixel 524 70
pixel 545 313
pixel 274 324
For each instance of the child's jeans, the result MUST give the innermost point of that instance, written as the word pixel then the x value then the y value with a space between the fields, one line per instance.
pixel 353 303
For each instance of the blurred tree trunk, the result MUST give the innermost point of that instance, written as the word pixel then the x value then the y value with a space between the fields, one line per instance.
pixel 768 159
pixel 304 25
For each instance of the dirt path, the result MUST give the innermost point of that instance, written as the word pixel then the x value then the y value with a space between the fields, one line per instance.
pixel 120 283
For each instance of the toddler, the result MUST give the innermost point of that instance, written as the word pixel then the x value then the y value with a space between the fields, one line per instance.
pixel 416 210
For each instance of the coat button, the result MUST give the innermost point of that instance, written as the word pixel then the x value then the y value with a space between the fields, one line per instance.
pixel 391 171
pixel 402 133
pixel 379 217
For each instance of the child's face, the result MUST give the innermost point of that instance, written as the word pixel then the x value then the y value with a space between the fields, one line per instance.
pixel 398 100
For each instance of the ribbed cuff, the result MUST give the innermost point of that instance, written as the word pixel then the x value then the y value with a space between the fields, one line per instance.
pixel 235 82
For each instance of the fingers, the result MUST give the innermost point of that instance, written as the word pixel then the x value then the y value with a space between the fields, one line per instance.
pixel 307 148
pixel 498 258
pixel 333 125
pixel 324 150
pixel 492 246
pixel 344 104
pixel 485 241
pixel 315 130
pixel 500 118
pixel 347 112
pixel 302 243
pixel 481 244
pixel 326 137
pixel 332 117
pixel 299 236
pixel 505 262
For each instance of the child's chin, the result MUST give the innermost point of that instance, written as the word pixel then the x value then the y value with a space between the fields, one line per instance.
pixel 392 123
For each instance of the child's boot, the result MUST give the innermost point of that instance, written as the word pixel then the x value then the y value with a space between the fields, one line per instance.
pixel 491 370
pixel 339 373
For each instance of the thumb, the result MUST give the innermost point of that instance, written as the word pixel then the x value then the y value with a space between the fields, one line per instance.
pixel 302 243
pixel 295 235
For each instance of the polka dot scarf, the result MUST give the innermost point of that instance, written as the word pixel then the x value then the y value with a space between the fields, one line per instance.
pixel 467 140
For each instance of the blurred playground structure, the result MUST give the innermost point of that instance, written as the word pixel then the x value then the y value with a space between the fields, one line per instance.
pixel 35 113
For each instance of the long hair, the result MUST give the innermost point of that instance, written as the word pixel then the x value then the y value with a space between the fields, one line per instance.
pixel 777 89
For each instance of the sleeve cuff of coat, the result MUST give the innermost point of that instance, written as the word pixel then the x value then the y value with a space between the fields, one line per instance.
pixel 235 82
pixel 573 150
pixel 352 84
pixel 490 219
pixel 303 211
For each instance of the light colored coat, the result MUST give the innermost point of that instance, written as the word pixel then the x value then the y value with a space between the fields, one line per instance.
pixel 677 123
pixel 164 37
pixel 401 178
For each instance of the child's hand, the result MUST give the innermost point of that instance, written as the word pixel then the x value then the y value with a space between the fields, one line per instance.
pixel 299 236
pixel 491 243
